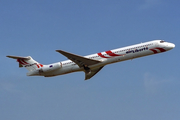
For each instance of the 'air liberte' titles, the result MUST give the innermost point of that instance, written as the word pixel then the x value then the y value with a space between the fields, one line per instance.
pixel 137 50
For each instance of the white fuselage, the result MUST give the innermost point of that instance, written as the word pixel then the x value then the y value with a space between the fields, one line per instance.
pixel 113 56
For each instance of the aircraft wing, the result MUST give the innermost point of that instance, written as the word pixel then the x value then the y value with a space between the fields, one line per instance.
pixel 79 60
pixel 92 73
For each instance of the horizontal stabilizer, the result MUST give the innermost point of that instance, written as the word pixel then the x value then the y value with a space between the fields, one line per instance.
pixel 18 57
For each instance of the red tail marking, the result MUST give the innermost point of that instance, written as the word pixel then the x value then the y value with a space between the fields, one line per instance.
pixel 19 60
pixel 24 61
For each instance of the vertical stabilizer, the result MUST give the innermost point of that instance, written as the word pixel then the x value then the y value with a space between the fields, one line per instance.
pixel 28 62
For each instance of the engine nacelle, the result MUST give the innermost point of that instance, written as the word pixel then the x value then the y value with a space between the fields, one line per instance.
pixel 51 67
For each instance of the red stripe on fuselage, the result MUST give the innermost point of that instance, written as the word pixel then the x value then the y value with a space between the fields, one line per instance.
pixel 111 53
pixel 161 49
pixel 153 51
pixel 41 65
pixel 100 54
pixel 37 65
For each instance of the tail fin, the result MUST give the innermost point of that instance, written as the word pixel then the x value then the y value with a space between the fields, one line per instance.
pixel 27 62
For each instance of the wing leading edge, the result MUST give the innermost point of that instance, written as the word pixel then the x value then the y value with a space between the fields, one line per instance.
pixel 79 60
pixel 83 62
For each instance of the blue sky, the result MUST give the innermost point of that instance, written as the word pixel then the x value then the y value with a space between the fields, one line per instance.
pixel 143 89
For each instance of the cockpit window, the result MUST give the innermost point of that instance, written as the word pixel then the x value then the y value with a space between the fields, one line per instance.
pixel 162 41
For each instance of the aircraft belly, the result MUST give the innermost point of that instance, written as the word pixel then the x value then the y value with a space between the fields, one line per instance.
pixel 68 69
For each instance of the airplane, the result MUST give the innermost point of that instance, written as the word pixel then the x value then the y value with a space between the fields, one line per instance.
pixel 92 64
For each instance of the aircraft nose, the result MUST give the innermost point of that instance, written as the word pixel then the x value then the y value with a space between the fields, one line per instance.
pixel 171 45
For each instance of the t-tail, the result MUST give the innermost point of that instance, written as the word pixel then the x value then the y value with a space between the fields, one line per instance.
pixel 35 68
pixel 27 62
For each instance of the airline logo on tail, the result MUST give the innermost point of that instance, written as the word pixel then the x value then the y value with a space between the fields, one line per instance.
pixel 25 64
